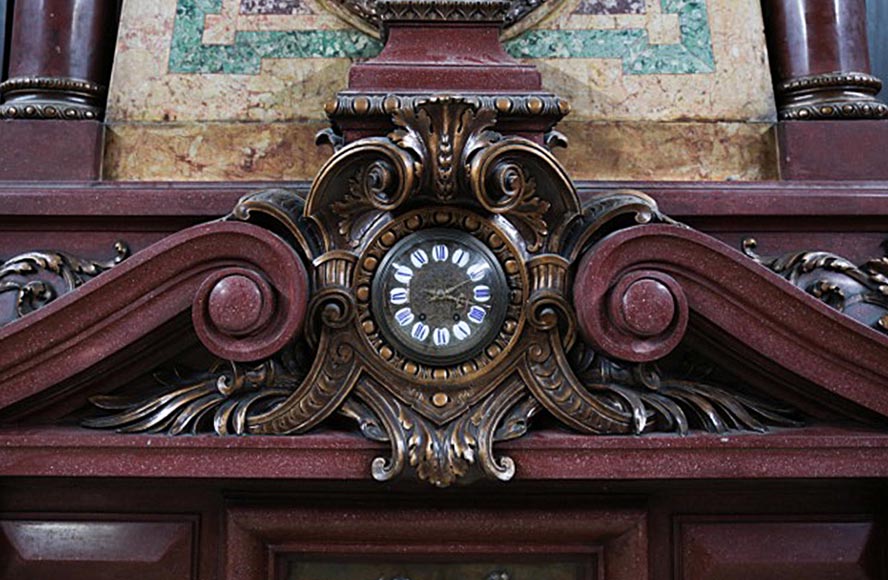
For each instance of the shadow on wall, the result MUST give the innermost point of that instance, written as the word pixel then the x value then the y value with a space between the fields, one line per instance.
pixel 5 21
pixel 877 31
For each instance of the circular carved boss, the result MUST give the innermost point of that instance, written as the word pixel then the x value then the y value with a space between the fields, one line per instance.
pixel 641 317
pixel 440 294
pixel 240 316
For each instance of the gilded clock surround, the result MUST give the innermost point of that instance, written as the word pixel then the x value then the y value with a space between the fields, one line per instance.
pixel 443 168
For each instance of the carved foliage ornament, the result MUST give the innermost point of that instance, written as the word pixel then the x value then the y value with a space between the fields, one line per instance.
pixel 441 318
pixel 37 278
pixel 860 292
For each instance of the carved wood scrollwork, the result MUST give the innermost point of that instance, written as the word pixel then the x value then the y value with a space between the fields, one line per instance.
pixel 445 169
pixel 861 292
pixel 39 277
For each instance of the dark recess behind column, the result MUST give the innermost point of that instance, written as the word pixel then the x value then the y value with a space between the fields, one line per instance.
pixel 5 22
pixel 877 31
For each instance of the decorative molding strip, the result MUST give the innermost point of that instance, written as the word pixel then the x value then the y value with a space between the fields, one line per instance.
pixel 494 575
pixel 51 98
pixel 385 104
pixel 831 80
pixel 443 10
pixel 843 109
pixel 840 95
pixel 693 55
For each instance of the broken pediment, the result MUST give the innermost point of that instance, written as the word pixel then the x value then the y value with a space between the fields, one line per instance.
pixel 354 309
pixel 443 291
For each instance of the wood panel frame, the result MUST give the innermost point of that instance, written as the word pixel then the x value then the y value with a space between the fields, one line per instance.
pixel 257 538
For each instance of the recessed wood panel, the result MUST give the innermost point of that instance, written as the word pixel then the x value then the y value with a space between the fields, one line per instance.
pixel 586 543
pixel 454 567
pixel 52 549
pixel 774 550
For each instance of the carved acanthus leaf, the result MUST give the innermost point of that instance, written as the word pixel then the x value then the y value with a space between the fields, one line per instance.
pixel 531 212
pixel 39 277
pixel 443 131
pixel 860 292
pixel 219 400
pixel 461 450
pixel 669 403
pixel 353 222
pixel 281 210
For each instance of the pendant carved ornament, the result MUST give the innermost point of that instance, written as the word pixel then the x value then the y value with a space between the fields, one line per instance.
pixel 442 314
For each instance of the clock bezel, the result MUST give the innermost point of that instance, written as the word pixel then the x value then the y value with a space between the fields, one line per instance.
pixel 497 311
pixel 458 380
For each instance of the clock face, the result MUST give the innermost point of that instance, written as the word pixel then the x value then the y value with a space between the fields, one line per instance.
pixel 440 296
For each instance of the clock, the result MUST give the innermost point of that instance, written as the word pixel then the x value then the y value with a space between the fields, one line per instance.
pixel 440 296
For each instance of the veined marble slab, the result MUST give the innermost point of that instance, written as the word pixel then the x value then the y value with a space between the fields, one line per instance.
pixel 237 62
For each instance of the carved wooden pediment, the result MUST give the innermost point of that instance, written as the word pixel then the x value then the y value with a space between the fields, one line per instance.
pixel 600 313
pixel 442 288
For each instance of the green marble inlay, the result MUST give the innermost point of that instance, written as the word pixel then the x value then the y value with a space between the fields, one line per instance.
pixel 632 45
pixel 693 55
pixel 188 53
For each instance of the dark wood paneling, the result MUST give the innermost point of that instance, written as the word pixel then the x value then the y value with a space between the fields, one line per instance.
pixel 64 38
pixel 810 37
pixel 709 549
pixel 828 529
pixel 105 548
pixel 5 11
pixel 849 218
pixel 833 149
pixel 57 150
pixel 264 539
pixel 552 455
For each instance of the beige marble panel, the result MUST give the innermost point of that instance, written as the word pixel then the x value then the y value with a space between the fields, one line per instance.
pixel 142 88
pixel 261 126
pixel 213 151
pixel 286 151
pixel 738 90
pixel 658 151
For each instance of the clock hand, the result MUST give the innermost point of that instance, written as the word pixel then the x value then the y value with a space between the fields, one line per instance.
pixel 434 295
pixel 438 295
pixel 460 285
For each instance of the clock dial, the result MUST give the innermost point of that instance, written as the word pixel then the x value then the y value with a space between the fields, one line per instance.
pixel 440 296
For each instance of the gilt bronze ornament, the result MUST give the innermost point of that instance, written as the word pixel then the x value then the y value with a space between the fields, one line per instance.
pixel 38 277
pixel 860 292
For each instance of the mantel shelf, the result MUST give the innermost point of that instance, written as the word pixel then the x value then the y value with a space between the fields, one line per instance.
pixel 545 455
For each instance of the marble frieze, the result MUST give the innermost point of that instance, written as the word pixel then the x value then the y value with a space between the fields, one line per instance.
pixel 183 65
